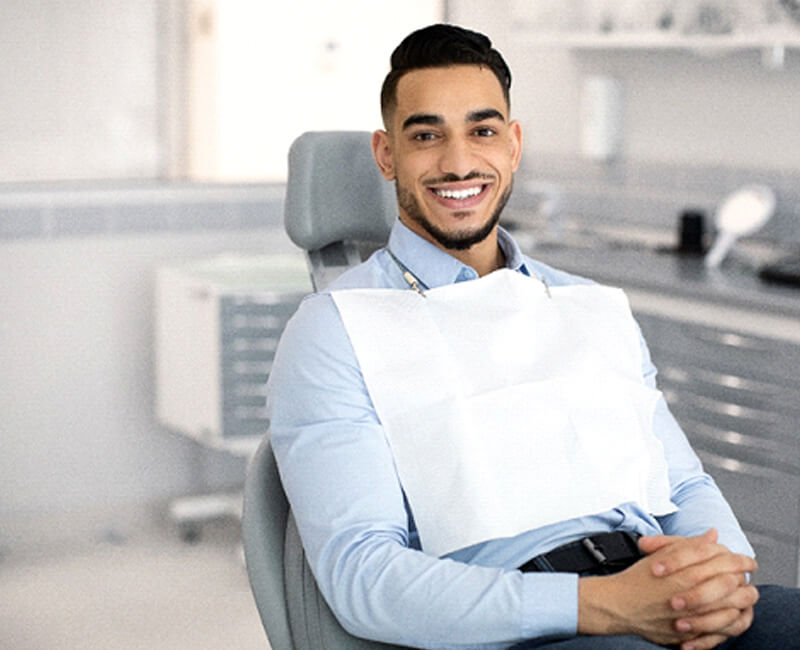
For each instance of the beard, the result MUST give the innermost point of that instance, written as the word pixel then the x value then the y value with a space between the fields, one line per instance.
pixel 460 239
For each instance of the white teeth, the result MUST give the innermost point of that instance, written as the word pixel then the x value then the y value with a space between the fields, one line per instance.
pixel 460 194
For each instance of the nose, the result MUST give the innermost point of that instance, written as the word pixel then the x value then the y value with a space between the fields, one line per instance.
pixel 457 158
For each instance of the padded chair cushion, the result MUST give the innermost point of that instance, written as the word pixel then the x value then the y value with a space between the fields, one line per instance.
pixel 313 625
pixel 347 200
pixel 264 519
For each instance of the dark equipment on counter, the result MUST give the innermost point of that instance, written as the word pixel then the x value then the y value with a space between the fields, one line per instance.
pixel 785 271
pixel 692 233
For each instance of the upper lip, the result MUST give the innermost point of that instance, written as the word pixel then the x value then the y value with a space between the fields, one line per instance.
pixel 450 191
pixel 460 186
pixel 474 179
pixel 466 185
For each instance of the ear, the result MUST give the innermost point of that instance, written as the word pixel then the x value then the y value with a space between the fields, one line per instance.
pixel 515 131
pixel 382 152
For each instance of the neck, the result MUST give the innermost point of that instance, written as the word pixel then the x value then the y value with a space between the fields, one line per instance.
pixel 485 257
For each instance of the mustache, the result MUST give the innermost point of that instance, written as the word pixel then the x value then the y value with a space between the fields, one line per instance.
pixel 455 178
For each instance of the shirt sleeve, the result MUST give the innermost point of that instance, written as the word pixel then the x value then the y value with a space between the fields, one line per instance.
pixel 338 472
pixel 700 503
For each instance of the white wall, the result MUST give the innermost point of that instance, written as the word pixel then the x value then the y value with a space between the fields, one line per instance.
pixel 89 91
pixel 79 435
pixel 79 84
pixel 679 107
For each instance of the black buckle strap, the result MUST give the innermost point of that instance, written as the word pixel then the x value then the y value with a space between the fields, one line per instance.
pixel 599 554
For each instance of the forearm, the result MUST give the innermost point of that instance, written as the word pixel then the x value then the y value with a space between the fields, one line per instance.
pixel 700 503
pixel 702 506
pixel 350 514
pixel 405 597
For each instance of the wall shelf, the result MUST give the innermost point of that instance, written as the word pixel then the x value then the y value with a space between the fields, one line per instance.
pixel 773 43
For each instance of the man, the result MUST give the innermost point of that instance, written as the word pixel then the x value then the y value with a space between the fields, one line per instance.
pixel 451 458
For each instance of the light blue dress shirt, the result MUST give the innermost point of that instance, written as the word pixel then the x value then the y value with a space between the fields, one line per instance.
pixel 358 534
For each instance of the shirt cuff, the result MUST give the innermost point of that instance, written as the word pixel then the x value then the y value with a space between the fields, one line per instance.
pixel 549 604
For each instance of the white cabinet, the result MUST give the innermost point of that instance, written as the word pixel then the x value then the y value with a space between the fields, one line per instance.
pixel 218 322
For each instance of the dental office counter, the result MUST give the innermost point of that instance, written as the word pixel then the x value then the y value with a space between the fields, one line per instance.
pixel 727 346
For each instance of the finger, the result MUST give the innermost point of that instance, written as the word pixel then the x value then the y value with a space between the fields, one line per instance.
pixel 694 550
pixel 676 559
pixel 707 595
pixel 746 596
pixel 705 642
pixel 711 640
pixel 712 623
pixel 651 543
pixel 740 625
pixel 711 581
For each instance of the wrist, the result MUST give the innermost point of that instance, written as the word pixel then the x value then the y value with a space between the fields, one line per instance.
pixel 596 612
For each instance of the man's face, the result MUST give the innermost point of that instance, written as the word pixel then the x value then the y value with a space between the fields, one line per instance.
pixel 452 151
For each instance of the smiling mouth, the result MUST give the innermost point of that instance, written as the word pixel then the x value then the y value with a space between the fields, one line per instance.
pixel 460 195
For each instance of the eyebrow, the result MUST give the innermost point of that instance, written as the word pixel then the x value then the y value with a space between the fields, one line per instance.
pixel 428 119
pixel 431 119
pixel 485 114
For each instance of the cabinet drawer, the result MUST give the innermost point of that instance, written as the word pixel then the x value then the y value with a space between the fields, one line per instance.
pixel 723 350
pixel 772 443
pixel 250 328
pixel 726 388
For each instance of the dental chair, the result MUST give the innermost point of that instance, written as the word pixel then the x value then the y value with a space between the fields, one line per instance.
pixel 338 209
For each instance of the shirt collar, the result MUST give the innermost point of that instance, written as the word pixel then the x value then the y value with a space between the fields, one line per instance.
pixel 434 267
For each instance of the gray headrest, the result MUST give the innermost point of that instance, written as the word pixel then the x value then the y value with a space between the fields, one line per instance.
pixel 335 192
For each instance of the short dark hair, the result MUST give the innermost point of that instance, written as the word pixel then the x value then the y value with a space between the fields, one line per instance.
pixel 438 46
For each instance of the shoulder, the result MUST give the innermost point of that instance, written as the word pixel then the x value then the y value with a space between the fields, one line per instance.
pixel 553 276
pixel 316 329
pixel 373 273
pixel 317 315
pixel 313 356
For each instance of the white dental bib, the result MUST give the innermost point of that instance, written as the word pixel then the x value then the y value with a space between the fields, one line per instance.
pixel 505 409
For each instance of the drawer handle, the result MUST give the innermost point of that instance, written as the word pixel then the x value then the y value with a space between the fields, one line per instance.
pixel 732 340
pixel 241 321
pixel 255 298
pixel 783 456
pixel 241 344
pixel 733 466
pixel 252 367
pixel 688 374
pixel 250 413
pixel 719 407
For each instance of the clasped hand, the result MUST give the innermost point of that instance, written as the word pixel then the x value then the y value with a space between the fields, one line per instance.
pixel 690 591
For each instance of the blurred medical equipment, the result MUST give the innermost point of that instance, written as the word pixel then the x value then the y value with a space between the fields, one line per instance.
pixel 740 214
pixel 218 321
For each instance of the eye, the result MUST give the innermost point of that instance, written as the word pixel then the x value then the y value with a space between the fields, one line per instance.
pixel 424 136
pixel 485 131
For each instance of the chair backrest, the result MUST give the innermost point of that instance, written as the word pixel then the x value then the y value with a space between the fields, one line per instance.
pixel 264 517
pixel 337 208
pixel 293 612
